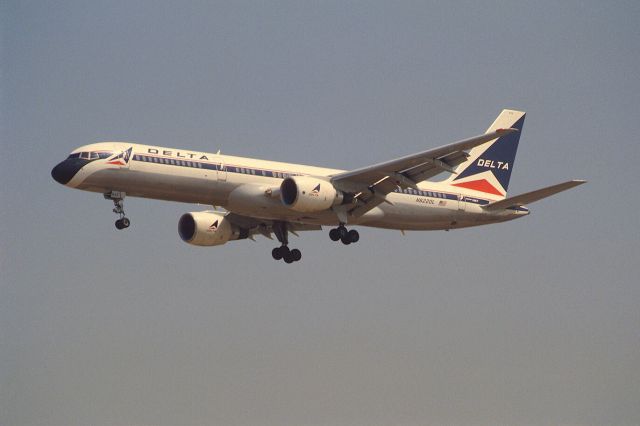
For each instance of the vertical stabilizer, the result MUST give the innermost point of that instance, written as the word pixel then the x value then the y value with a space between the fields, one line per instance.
pixel 489 166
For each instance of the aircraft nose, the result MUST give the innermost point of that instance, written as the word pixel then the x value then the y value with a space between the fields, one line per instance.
pixel 67 169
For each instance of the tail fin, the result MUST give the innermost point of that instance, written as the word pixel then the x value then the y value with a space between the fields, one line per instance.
pixel 489 166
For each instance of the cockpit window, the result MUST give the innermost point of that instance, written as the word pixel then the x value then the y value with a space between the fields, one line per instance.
pixel 92 155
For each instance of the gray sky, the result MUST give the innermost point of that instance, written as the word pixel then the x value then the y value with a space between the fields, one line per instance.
pixel 535 321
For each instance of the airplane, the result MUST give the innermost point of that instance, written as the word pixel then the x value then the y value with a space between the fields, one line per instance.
pixel 265 197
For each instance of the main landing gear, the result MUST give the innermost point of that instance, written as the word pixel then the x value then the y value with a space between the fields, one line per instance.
pixel 341 233
pixel 283 252
pixel 118 202
pixel 289 256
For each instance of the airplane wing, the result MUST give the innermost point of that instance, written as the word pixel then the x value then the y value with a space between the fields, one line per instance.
pixel 530 197
pixel 371 184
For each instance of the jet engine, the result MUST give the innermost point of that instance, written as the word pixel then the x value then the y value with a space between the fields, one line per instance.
pixel 308 194
pixel 208 229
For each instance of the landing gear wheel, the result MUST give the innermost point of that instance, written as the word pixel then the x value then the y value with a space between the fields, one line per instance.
pixel 276 253
pixel 296 255
pixel 286 254
pixel 123 223
pixel 283 252
pixel 343 231
pixel 118 208
pixel 341 234
pixel 289 256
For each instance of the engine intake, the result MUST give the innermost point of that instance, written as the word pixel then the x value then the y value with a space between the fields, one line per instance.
pixel 307 194
pixel 208 229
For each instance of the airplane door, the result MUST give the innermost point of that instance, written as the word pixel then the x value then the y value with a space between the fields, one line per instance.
pixel 222 172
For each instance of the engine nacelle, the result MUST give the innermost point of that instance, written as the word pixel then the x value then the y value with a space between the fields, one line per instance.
pixel 208 229
pixel 308 194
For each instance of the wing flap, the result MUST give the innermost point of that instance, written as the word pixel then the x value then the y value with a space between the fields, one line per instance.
pixel 432 168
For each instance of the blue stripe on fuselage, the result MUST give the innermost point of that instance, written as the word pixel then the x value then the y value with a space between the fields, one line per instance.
pixel 281 175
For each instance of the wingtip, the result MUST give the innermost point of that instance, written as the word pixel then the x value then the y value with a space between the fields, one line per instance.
pixel 507 130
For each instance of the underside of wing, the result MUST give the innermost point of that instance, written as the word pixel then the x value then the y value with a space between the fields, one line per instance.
pixel 255 226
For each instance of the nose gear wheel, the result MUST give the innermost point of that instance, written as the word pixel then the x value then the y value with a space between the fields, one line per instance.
pixel 118 208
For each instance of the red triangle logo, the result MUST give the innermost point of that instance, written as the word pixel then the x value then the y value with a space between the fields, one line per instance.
pixel 480 185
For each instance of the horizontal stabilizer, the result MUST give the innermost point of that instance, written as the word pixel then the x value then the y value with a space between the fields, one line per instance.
pixel 532 196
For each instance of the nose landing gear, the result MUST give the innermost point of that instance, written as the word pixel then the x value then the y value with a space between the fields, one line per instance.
pixel 341 233
pixel 118 208
pixel 123 223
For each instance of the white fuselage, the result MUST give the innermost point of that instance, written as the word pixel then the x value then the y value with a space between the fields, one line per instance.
pixel 250 187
